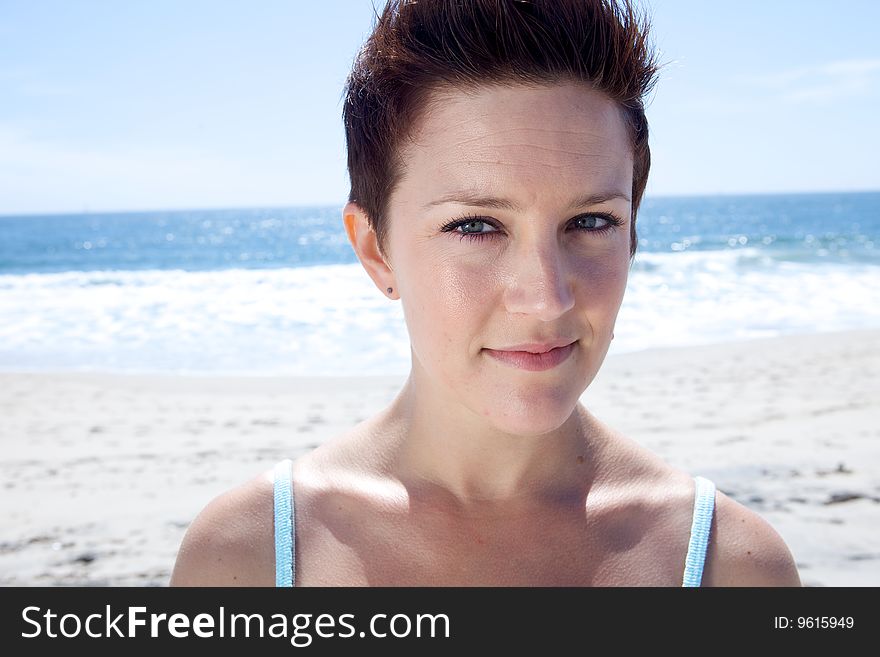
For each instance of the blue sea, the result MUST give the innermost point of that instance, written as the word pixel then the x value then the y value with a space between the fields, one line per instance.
pixel 280 291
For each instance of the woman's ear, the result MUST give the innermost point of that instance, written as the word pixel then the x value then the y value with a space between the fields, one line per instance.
pixel 366 245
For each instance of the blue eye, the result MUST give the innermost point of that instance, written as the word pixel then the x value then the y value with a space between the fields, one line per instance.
pixel 590 221
pixel 472 227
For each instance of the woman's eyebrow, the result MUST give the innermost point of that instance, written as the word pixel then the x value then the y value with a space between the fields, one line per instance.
pixel 467 197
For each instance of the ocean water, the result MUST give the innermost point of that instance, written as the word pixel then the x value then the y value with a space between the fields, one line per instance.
pixel 280 291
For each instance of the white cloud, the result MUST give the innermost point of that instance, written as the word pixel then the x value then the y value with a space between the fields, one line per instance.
pixel 26 81
pixel 835 80
pixel 852 67
pixel 38 175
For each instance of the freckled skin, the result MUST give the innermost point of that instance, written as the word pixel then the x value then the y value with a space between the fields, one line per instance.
pixel 540 147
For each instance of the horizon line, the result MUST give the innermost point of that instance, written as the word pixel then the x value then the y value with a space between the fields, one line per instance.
pixel 273 206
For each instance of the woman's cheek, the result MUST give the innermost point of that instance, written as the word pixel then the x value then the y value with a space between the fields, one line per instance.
pixel 451 314
pixel 602 277
pixel 460 289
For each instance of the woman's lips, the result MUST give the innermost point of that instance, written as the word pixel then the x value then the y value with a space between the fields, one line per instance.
pixel 525 360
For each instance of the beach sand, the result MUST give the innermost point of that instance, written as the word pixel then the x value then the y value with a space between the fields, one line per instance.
pixel 101 474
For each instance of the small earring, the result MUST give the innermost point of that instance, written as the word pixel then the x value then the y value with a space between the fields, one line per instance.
pixel 612 335
pixel 390 290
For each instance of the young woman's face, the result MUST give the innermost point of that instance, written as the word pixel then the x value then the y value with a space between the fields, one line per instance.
pixel 511 225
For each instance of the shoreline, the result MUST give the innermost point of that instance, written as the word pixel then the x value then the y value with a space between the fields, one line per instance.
pixel 231 376
pixel 103 472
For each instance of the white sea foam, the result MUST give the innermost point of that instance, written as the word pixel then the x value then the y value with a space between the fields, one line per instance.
pixel 331 320
pixel 702 297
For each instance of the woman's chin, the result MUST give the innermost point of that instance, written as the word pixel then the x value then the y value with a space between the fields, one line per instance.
pixel 531 419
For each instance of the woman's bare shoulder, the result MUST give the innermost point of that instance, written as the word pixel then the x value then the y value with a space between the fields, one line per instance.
pixel 231 541
pixel 744 550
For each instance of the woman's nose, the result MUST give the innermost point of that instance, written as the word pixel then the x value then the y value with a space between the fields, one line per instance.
pixel 541 283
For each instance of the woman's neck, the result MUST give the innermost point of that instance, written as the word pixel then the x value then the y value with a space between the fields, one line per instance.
pixel 441 446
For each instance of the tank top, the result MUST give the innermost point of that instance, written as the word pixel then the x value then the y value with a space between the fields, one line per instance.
pixel 285 522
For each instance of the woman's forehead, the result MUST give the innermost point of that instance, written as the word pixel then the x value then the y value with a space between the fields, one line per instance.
pixel 561 107
pixel 507 136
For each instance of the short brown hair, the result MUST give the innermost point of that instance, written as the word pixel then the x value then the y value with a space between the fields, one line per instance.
pixel 418 47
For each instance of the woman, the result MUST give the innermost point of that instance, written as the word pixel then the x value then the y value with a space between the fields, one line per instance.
pixel 498 153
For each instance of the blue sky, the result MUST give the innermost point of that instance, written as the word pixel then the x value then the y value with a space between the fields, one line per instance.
pixel 195 104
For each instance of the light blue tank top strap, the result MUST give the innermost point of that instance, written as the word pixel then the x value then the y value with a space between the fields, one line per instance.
pixel 285 525
pixel 704 506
